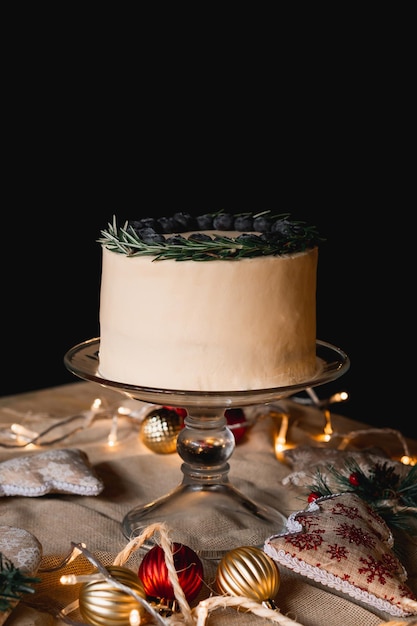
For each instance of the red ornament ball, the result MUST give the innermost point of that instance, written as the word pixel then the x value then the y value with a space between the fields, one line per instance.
pixel 236 416
pixel 154 574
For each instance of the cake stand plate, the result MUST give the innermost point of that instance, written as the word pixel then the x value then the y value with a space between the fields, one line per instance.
pixel 206 512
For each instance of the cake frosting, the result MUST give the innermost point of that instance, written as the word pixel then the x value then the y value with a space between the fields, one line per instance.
pixel 208 308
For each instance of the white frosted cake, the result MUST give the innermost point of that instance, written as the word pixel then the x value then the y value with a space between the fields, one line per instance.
pixel 215 303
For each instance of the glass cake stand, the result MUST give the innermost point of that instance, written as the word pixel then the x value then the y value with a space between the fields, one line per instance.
pixel 206 512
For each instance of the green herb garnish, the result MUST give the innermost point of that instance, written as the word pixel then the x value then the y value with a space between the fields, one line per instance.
pixel 278 236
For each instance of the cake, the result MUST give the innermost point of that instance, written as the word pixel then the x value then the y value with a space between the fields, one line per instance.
pixel 217 302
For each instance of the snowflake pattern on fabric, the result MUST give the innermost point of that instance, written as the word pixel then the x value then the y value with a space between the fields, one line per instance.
pixel 22 549
pixel 355 534
pixel 341 542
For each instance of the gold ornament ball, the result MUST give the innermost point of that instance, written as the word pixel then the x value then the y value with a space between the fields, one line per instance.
pixel 160 429
pixel 247 571
pixel 102 604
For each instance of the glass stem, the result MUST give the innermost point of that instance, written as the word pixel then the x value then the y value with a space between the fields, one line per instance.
pixel 205 444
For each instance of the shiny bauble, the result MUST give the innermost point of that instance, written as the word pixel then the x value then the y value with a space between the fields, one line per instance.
pixel 247 571
pixel 237 423
pixel 154 575
pixel 102 604
pixel 160 428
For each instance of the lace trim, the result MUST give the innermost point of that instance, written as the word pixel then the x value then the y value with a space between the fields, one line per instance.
pixel 330 580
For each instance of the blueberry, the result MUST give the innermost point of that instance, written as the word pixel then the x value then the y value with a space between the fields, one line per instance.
pixel 144 222
pixel 262 224
pixel 249 238
pixel 176 240
pixel 136 224
pixel 148 235
pixel 283 226
pixel 184 222
pixel 166 224
pixel 224 221
pixel 243 223
pixel 271 238
pixel 205 222
pixel 199 237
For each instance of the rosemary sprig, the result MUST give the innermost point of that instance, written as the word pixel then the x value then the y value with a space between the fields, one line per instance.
pixel 13 583
pixel 393 495
pixel 294 236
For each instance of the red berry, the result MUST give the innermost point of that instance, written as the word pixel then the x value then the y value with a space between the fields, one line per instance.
pixel 313 496
pixel 354 479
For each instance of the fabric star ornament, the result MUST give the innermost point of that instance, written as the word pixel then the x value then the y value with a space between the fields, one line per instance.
pixel 342 543
pixel 55 471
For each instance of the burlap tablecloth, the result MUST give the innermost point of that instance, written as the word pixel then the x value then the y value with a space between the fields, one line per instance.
pixel 134 474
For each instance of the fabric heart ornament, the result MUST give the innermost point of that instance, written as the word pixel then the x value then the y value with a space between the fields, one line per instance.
pixel 342 543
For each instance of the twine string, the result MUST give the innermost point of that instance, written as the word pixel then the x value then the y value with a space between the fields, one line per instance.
pixel 215 602
pixel 166 545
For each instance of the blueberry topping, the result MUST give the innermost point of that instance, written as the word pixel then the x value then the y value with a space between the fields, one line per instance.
pixel 224 221
pixel 205 222
pixel 284 227
pixel 199 237
pixel 162 237
pixel 176 240
pixel 243 222
pixel 149 236
pixel 261 224
pixel 249 238
pixel 144 222
pixel 167 224
pixel 184 222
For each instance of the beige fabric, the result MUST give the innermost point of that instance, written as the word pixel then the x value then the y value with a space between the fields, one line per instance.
pixel 133 474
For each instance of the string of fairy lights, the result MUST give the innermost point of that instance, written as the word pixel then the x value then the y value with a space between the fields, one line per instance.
pixel 20 434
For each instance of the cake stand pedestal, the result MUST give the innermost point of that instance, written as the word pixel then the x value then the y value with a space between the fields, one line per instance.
pixel 206 512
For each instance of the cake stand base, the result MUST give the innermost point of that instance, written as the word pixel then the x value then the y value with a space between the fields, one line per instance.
pixel 205 512
pixel 210 518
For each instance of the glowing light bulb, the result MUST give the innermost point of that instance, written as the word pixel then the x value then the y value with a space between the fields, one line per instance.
pixel 24 435
pixel 134 618
pixel 408 460
pixel 280 441
pixel 96 404
pixel 72 579
pixel 112 438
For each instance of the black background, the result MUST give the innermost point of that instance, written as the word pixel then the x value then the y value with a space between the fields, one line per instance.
pixel 323 128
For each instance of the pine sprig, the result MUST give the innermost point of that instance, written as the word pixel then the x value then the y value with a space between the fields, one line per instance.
pixel 281 237
pixel 391 494
pixel 13 584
